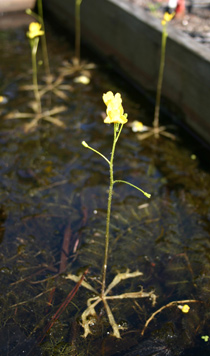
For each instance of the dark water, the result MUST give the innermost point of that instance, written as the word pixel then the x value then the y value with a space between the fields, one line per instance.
pixel 51 187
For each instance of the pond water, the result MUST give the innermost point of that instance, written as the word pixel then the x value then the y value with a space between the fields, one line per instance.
pixel 54 191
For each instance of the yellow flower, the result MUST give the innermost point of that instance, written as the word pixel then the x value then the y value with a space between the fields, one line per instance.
pixel 114 111
pixel 205 338
pixel 184 308
pixel 35 30
pixel 167 17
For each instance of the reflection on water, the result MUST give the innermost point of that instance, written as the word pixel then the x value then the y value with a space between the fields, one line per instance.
pixel 53 213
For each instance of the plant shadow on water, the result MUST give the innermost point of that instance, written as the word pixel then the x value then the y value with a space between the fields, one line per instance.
pixel 52 188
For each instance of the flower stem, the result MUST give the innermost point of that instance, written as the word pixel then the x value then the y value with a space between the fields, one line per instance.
pixel 92 149
pixel 160 80
pixel 134 186
pixel 43 40
pixel 111 178
pixel 39 17
pixel 77 29
pixel 117 131
pixel 34 45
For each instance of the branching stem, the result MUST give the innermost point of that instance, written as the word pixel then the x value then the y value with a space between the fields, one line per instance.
pixel 134 186
pixel 117 131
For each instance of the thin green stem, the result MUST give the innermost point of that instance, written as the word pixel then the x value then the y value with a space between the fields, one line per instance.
pixel 111 177
pixel 32 13
pixel 117 132
pixel 77 29
pixel 39 17
pixel 34 45
pixel 160 80
pixel 92 149
pixel 134 186
pixel 43 40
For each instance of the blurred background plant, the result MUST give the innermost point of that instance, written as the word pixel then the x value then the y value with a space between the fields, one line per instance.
pixel 157 130
pixel 76 67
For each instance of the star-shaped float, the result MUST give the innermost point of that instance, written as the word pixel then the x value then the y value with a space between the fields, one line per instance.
pixel 46 115
pixel 55 86
pixel 147 131
pixel 76 67
pixel 90 313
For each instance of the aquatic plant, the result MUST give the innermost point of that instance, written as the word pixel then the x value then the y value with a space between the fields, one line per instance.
pixel 167 17
pixel 178 303
pixel 158 130
pixel 44 41
pixel 53 85
pixel 115 115
pixel 76 66
pixel 39 18
pixel 33 34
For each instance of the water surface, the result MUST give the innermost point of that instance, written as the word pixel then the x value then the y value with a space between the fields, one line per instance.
pixel 51 187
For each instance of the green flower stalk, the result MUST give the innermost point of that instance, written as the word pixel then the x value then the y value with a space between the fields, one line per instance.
pixel 167 17
pixel 39 17
pixel 43 40
pixel 115 115
pixel 77 29
pixel 156 130
pixel 33 35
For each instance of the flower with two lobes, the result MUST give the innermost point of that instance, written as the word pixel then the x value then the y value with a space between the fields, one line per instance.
pixel 35 30
pixel 115 112
pixel 167 18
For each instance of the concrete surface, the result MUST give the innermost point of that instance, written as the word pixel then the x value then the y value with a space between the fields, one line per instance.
pixel 16 5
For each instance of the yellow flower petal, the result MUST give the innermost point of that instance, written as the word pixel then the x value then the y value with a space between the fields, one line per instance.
pixel 114 111
pixel 34 26
pixel 35 30
pixel 167 17
pixel 185 308
pixel 107 97
pixel 118 99
pixel 107 120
